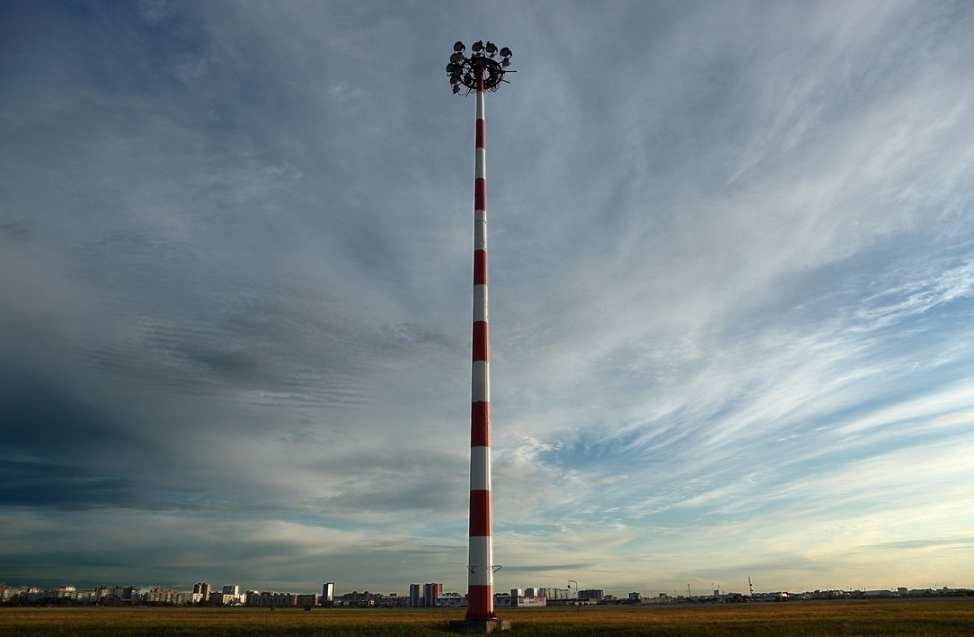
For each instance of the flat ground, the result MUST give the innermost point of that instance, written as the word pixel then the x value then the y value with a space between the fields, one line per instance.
pixel 927 617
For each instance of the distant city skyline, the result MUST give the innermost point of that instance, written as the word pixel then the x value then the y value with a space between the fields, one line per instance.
pixel 408 592
pixel 731 290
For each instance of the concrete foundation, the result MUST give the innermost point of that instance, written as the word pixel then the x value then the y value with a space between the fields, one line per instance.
pixel 479 626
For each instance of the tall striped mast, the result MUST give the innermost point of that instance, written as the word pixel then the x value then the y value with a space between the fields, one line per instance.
pixel 480 579
pixel 480 72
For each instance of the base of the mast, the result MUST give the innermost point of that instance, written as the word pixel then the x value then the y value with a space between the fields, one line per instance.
pixel 479 626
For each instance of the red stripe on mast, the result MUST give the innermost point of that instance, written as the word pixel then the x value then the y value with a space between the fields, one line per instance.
pixel 480 513
pixel 481 344
pixel 480 267
pixel 480 195
pixel 479 424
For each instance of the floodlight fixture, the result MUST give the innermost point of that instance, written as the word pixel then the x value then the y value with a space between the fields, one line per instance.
pixel 481 63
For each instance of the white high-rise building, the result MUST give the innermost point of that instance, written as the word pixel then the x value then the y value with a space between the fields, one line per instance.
pixel 203 590
pixel 328 592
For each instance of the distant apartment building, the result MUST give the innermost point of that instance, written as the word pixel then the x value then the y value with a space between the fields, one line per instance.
pixel 361 600
pixel 431 593
pixel 424 595
pixel 62 592
pixel 592 594
pixel 551 592
pixel 328 593
pixel 415 595
pixel 529 601
pixel 159 595
pixel 523 598
pixel 229 596
pixel 269 599
pixel 129 593
pixel 117 594
pixel 503 600
pixel 203 590
pixel 306 601
pixel 392 600
pixel 452 600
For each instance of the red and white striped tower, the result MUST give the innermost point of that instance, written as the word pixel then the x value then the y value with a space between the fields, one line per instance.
pixel 480 72
pixel 480 578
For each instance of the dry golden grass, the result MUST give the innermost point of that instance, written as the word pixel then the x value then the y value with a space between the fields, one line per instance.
pixel 940 618
pixel 893 618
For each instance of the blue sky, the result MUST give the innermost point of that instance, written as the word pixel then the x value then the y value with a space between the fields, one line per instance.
pixel 731 290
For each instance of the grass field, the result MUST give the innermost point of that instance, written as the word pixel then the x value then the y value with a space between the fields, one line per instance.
pixel 940 618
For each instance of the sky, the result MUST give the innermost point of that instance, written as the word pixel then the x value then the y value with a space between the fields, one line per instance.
pixel 731 294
